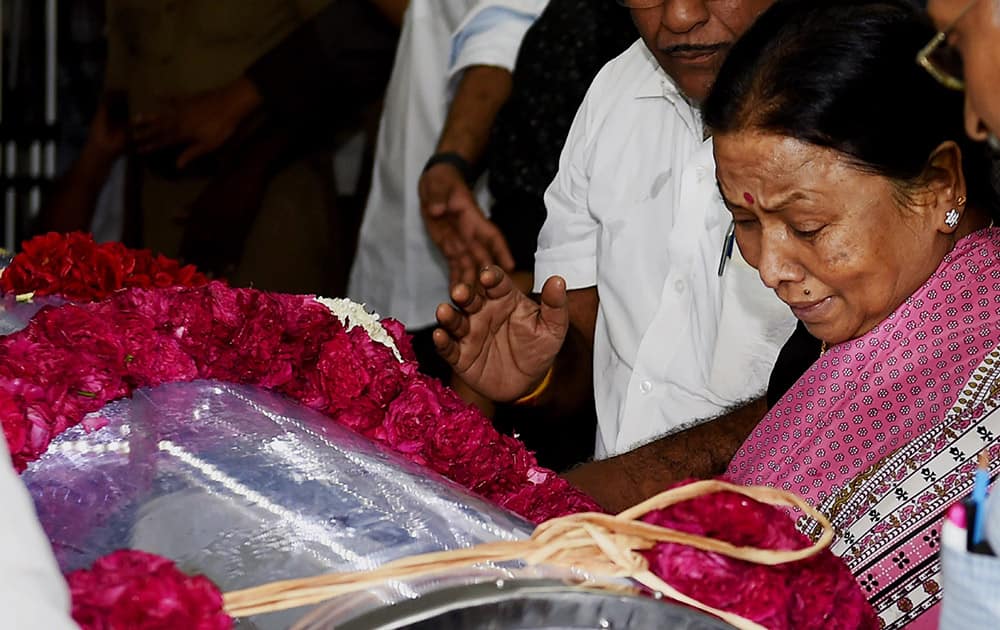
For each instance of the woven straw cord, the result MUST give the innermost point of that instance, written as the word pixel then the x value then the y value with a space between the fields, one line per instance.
pixel 600 545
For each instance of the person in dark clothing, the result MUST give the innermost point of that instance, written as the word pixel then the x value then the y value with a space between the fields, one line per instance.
pixel 559 57
pixel 293 103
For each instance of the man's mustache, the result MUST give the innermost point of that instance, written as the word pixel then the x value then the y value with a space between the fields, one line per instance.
pixel 692 48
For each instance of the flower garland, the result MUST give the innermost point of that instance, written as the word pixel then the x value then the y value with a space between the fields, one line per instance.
pixel 753 570
pixel 73 359
pixel 75 267
pixel 814 593
pixel 135 589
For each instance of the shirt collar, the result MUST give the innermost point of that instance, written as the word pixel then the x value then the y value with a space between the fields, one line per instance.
pixel 658 84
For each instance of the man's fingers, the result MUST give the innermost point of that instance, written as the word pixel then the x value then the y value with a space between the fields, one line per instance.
pixel 454 274
pixel 450 244
pixel 467 297
pixel 480 255
pixel 449 318
pixel 446 346
pixel 467 273
pixel 461 270
pixel 554 301
pixel 461 199
pixel 447 239
pixel 495 282
pixel 493 240
pixel 434 208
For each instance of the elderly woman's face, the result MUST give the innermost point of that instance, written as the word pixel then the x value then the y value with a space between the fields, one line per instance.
pixel 838 245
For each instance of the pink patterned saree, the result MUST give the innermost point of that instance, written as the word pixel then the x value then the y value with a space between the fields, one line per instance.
pixel 882 432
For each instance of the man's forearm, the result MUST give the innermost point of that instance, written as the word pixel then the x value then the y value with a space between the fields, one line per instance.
pixel 479 96
pixel 701 451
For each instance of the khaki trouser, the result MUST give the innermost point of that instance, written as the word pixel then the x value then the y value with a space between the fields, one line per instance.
pixel 290 247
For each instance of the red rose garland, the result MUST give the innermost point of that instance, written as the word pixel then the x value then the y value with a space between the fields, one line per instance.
pixel 73 359
pixel 75 267
pixel 816 593
pixel 134 589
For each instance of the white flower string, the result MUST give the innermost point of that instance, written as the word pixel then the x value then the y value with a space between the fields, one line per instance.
pixel 351 315
pixel 600 545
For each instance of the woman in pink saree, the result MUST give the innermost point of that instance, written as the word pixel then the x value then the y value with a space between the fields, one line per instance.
pixel 860 202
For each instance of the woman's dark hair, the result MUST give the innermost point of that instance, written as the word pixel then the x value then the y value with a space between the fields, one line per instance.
pixel 842 74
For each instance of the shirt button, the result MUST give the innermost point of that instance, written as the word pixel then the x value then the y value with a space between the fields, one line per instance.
pixel 645 387
pixel 679 286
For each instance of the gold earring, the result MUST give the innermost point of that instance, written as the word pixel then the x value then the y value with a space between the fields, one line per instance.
pixel 960 201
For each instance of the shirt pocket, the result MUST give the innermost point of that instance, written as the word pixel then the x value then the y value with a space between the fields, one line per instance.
pixel 634 236
pixel 633 262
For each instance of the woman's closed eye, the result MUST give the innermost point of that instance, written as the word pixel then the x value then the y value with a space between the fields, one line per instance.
pixel 807 231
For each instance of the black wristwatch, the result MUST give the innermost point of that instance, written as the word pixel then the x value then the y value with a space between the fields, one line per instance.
pixel 450 157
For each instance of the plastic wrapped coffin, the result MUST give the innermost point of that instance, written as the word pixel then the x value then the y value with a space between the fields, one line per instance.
pixel 247 487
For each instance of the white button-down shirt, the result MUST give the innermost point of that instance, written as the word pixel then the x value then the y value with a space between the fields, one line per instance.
pixel 398 270
pixel 634 210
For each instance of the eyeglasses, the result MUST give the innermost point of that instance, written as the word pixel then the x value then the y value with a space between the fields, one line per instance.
pixel 942 60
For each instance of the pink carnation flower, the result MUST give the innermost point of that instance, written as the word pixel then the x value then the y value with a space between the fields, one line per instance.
pixel 819 592
pixel 134 589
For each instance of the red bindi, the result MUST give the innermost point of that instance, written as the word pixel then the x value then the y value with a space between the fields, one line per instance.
pixel 748 197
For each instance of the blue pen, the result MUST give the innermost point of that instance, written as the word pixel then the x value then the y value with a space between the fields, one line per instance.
pixel 980 483
pixel 727 247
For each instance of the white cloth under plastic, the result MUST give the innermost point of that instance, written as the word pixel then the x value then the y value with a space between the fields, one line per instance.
pixel 33 593
pixel 398 271
pixel 634 210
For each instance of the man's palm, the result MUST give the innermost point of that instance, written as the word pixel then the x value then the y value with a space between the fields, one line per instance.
pixel 497 339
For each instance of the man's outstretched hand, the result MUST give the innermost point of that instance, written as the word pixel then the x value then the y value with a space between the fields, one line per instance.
pixel 456 224
pixel 499 340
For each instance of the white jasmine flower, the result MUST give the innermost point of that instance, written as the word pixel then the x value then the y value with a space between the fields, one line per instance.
pixel 352 314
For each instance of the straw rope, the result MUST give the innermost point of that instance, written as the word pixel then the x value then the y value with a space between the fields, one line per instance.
pixel 600 545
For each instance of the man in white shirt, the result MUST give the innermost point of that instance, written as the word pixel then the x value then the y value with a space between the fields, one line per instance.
pixel 973 27
pixel 635 233
pixel 398 269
